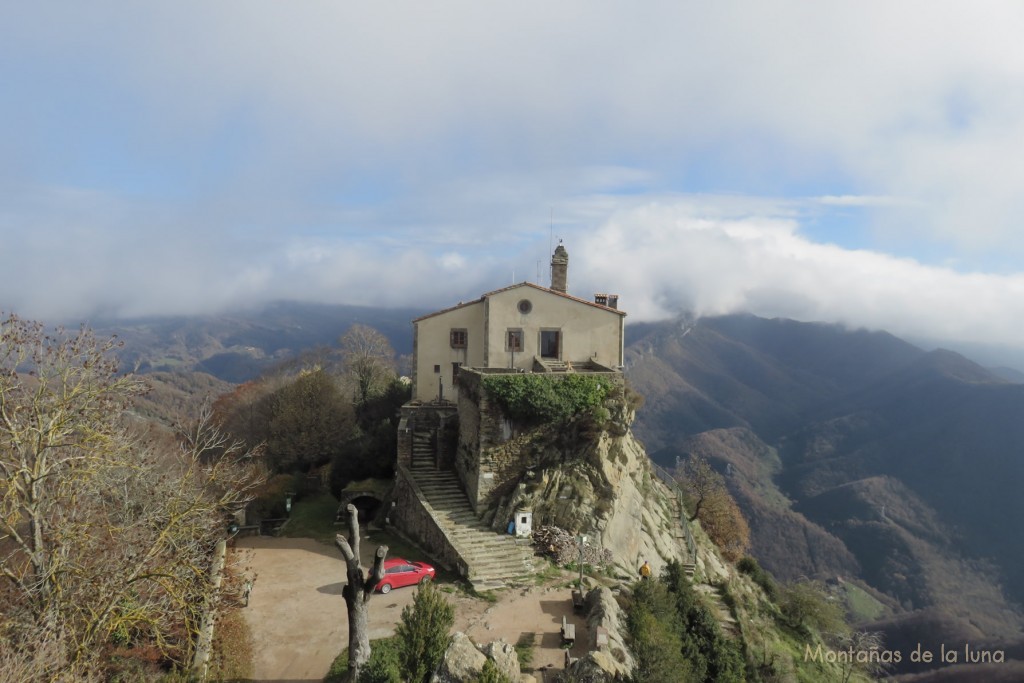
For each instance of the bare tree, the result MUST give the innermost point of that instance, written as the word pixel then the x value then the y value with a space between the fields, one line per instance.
pixel 867 643
pixel 700 482
pixel 105 537
pixel 369 360
pixel 357 592
pixel 715 507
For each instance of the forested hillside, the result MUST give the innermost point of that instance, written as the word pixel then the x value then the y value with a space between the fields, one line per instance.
pixel 856 456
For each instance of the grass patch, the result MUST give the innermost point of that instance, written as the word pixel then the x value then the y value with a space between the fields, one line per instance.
pixel 524 650
pixel 232 647
pixel 550 572
pixel 861 605
pixel 383 651
pixel 313 517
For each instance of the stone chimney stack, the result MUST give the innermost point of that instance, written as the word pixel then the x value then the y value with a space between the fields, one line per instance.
pixel 560 269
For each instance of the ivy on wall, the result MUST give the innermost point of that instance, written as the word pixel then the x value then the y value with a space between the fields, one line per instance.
pixel 542 398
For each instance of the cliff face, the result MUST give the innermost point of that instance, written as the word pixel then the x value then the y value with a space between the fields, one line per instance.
pixel 595 478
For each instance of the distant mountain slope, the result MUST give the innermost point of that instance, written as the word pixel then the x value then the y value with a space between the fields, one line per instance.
pixel 747 371
pixel 238 346
pixel 818 428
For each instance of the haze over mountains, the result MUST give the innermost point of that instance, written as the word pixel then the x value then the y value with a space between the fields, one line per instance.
pixel 855 455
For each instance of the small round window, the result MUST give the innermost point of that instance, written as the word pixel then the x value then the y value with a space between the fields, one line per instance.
pixel 525 306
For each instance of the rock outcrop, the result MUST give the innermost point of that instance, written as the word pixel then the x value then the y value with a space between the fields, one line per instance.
pixel 597 480
pixel 504 657
pixel 464 661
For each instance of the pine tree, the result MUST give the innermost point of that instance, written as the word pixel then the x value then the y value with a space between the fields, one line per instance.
pixel 424 633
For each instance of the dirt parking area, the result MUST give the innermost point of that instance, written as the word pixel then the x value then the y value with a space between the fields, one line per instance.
pixel 299 624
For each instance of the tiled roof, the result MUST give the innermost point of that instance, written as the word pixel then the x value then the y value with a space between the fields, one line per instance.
pixel 521 284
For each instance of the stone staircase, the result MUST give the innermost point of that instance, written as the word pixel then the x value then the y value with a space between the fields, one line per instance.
pixel 722 613
pixel 689 567
pixel 494 559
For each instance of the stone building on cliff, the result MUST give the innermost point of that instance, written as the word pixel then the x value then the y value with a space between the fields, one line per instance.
pixel 523 327
pixel 456 450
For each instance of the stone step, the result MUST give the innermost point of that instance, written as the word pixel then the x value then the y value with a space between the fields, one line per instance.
pixel 451 504
pixel 497 573
pixel 493 558
pixel 480 560
pixel 451 516
pixel 432 490
pixel 440 499
pixel 437 475
pixel 488 581
pixel 449 501
pixel 441 487
pixel 500 562
pixel 479 547
pixel 459 511
pixel 432 484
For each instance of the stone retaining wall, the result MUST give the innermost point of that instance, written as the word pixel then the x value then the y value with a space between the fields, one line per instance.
pixel 492 451
pixel 412 517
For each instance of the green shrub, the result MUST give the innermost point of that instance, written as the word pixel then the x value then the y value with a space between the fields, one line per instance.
pixel 675 636
pixel 749 566
pixel 383 665
pixel 805 605
pixel 424 633
pixel 655 638
pixel 540 398
pixel 492 674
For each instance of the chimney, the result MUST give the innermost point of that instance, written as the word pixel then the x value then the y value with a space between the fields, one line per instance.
pixel 609 300
pixel 560 269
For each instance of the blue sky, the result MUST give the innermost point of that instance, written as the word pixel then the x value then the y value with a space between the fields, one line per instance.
pixel 857 162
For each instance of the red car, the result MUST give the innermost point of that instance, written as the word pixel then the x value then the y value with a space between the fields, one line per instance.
pixel 399 572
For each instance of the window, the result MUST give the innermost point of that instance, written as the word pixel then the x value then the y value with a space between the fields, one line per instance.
pixel 459 338
pixel 550 343
pixel 514 340
pixel 525 306
pixel 437 369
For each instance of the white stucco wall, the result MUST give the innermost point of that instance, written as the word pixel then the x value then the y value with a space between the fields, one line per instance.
pixel 587 332
pixel 433 347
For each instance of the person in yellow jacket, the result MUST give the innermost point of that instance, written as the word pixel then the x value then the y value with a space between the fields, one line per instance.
pixel 645 570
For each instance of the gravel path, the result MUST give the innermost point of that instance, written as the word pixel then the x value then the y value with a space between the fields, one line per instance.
pixel 298 621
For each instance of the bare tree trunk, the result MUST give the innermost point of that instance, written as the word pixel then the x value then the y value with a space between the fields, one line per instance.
pixel 357 592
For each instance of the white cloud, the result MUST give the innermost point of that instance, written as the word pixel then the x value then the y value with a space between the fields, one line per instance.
pixel 763 265
pixel 190 156
pixel 861 200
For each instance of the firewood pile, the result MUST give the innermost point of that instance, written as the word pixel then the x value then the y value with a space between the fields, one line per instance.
pixel 561 546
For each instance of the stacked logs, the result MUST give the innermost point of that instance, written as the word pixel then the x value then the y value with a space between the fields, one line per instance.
pixel 561 546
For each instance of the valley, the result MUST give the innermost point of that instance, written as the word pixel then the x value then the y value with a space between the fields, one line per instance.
pixel 858 458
